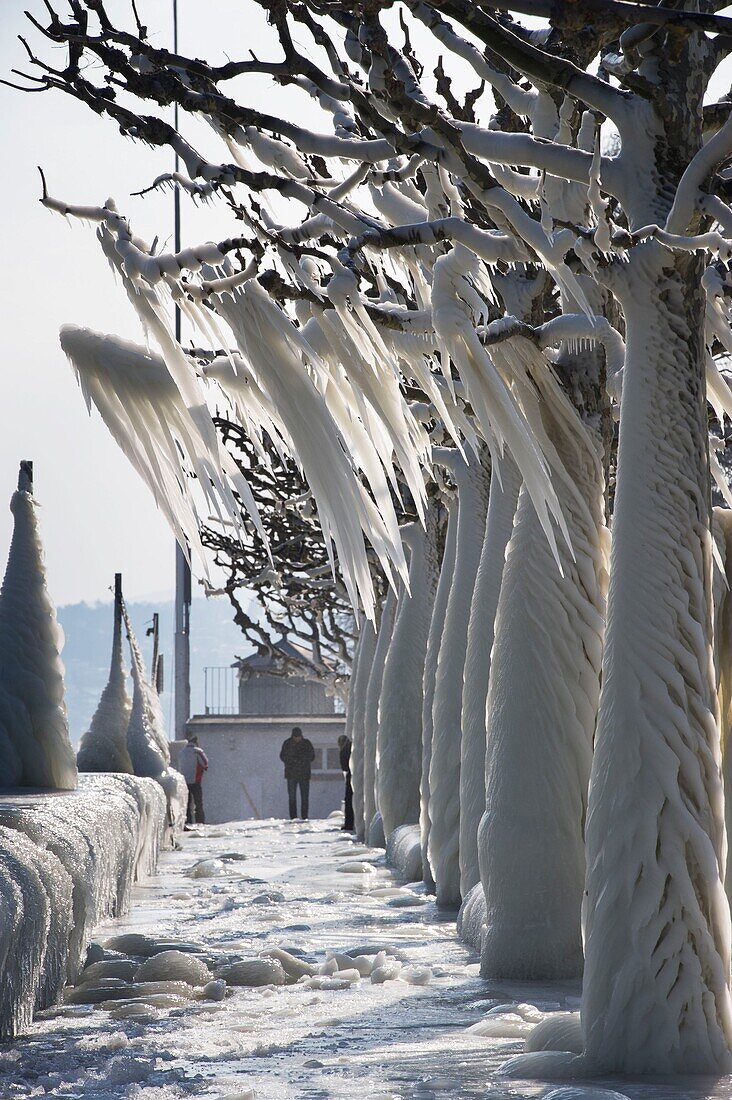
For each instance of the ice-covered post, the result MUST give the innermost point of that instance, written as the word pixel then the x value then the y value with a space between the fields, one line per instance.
pixel 103 747
pixel 35 750
pixel 25 476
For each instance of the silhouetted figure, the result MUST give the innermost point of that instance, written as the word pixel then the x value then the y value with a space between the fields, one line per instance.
pixel 297 754
pixel 344 746
pixel 192 763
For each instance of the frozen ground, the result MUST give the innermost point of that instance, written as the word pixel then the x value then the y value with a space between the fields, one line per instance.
pixel 365 1040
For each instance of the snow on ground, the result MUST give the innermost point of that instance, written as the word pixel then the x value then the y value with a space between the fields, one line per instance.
pixel 305 888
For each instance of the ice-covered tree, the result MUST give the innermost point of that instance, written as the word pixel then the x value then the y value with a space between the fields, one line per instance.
pixel 402 697
pixel 392 271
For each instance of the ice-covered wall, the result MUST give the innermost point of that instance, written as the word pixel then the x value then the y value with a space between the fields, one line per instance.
pixel 67 861
pixel 35 750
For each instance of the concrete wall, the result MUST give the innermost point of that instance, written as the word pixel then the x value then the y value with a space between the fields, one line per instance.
pixel 245 778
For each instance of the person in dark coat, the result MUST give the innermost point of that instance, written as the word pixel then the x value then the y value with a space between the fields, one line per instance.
pixel 297 754
pixel 344 746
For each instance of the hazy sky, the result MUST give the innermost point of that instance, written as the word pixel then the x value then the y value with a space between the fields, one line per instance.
pixel 97 516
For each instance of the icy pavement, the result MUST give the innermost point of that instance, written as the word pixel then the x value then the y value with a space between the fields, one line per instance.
pixel 235 891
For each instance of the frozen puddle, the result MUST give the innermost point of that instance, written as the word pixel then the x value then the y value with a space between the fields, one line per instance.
pixel 348 994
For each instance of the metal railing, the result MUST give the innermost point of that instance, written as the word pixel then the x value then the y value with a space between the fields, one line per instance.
pixel 221 689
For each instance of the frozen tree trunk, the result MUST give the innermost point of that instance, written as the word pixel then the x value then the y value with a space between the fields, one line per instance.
pixel 656 995
pixel 444 838
pixel 400 705
pixel 103 747
pixel 371 710
pixel 34 733
pixel 356 710
pixel 722 589
pixel 502 502
pixel 541 713
pixel 437 624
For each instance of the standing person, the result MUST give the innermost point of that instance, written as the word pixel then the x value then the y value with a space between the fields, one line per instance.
pixel 344 745
pixel 297 754
pixel 193 762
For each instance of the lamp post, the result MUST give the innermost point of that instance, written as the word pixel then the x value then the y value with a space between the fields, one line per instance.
pixel 182 648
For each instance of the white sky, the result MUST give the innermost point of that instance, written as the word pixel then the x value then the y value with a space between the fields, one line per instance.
pixel 97 516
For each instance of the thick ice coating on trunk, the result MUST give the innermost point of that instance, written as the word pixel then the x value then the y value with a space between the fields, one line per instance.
pixel 437 624
pixel 34 734
pixel 722 589
pixel 103 747
pixel 371 716
pixel 502 503
pixel 357 713
pixel 657 930
pixel 444 840
pixel 541 712
pixel 400 704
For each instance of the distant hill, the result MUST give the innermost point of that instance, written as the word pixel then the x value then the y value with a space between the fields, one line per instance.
pixel 215 641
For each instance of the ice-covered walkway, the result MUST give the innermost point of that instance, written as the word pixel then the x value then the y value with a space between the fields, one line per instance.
pixel 301 887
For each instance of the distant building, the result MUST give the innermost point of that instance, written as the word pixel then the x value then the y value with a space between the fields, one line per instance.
pixel 250 710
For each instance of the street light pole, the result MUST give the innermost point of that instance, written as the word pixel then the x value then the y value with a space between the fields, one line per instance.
pixel 182 649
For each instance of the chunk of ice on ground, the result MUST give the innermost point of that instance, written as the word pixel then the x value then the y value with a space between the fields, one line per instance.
pixel 174 966
pixel 576 1092
pixel 416 975
pixel 207 868
pixel 356 867
pixel 215 990
pixel 387 972
pixel 253 972
pixel 138 1013
pixel 406 901
pixel 327 982
pixel 544 1064
pixel 558 1031
pixel 294 968
pixel 137 943
pixel 109 968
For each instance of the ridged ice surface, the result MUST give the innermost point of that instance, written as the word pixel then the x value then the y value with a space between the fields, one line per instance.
pixel 67 861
